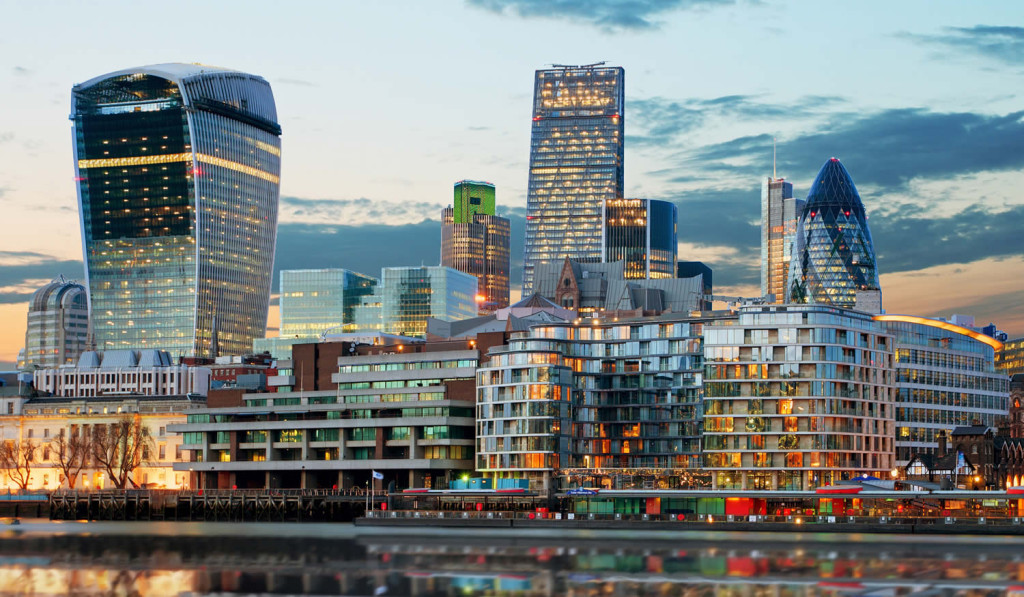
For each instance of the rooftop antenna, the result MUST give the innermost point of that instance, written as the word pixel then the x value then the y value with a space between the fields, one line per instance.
pixel 773 157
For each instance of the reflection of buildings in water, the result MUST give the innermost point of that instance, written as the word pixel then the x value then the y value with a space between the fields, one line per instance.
pixel 488 565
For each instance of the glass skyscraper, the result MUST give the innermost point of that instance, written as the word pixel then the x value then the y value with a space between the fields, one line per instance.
pixel 642 233
pixel 576 163
pixel 833 257
pixel 409 295
pixel 780 212
pixel 178 169
pixel 316 300
pixel 475 240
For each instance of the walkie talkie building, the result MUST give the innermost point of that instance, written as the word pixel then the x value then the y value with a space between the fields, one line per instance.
pixel 178 169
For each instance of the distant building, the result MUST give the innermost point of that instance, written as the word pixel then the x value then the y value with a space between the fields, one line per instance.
pixel 576 163
pixel 642 234
pixel 1010 360
pixel 315 302
pixel 409 295
pixel 691 269
pixel 797 397
pixel 780 212
pixel 58 325
pixel 178 169
pixel 475 240
pixel 945 378
pixel 834 259
pixel 520 317
pixel 123 372
pixel 590 288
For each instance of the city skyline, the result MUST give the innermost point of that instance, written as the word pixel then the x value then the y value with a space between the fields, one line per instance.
pixel 937 166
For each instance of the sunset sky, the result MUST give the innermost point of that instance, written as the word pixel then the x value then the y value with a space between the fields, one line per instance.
pixel 384 105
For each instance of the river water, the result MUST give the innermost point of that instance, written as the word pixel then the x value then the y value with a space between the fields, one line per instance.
pixel 159 559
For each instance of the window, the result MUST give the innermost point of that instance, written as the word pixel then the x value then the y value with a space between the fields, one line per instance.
pixel 163 452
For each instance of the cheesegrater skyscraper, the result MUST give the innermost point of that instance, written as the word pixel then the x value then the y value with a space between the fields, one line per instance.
pixel 178 169
pixel 576 160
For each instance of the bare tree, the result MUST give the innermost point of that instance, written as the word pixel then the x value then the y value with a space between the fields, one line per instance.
pixel 17 458
pixel 120 447
pixel 72 454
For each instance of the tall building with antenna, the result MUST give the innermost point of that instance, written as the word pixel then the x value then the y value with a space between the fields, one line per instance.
pixel 178 169
pixel 576 163
pixel 779 214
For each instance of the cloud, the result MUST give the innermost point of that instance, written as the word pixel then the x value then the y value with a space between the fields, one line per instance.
pixel 351 212
pixel 297 82
pixel 24 272
pixel 887 148
pixel 663 121
pixel 913 243
pixel 21 71
pixel 1002 43
pixel 608 15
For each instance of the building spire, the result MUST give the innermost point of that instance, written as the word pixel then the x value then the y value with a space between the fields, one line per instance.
pixel 773 159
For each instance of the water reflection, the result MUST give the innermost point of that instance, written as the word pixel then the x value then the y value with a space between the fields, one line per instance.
pixel 142 559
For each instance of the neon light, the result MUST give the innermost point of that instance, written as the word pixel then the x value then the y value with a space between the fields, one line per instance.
pixel 943 325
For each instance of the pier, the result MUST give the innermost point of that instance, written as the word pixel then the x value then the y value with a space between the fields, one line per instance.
pixel 228 505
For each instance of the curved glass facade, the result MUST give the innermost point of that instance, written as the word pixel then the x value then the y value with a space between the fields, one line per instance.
pixel 945 378
pixel 178 170
pixel 833 256
pixel 58 325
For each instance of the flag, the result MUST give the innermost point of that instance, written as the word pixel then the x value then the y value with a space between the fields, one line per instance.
pixel 377 475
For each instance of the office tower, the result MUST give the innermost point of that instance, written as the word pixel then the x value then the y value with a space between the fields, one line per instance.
pixel 575 163
pixel 409 295
pixel 474 240
pixel 178 171
pixel 779 215
pixel 58 325
pixel 834 259
pixel 945 378
pixel 314 301
pixel 642 234
pixel 1010 359
pixel 797 397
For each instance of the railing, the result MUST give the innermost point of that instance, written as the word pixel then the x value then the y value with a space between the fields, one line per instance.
pixel 710 519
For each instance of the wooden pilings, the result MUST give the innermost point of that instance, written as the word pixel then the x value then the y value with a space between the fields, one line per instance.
pixel 207 505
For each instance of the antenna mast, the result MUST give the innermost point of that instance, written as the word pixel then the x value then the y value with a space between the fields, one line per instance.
pixel 773 158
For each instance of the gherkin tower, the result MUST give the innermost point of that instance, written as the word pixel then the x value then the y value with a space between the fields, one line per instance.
pixel 833 256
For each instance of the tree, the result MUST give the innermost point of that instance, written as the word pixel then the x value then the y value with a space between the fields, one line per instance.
pixel 72 454
pixel 17 458
pixel 120 447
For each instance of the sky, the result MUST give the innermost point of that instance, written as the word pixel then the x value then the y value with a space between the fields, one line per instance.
pixel 384 105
